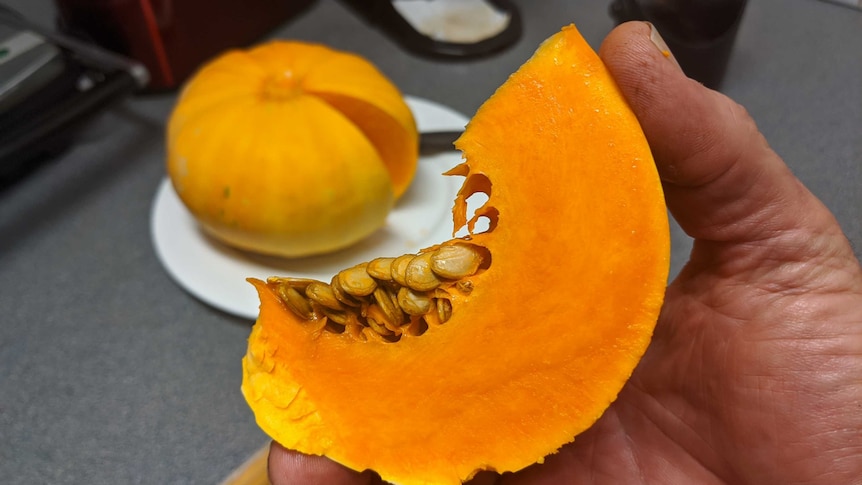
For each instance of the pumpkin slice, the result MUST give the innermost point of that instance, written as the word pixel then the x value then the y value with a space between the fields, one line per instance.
pixel 493 350
pixel 291 148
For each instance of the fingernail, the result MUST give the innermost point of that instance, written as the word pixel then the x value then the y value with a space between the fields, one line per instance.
pixel 656 39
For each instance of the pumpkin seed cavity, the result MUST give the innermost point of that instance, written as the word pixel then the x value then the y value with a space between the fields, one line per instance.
pixel 386 298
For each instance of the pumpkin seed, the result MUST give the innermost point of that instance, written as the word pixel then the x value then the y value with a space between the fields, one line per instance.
pixel 368 333
pixel 380 268
pixel 386 297
pixel 389 306
pixel 419 275
pixel 335 316
pixel 399 268
pixel 376 313
pixel 323 294
pixel 296 302
pixel 298 283
pixel 444 309
pixel 341 295
pixel 412 302
pixel 455 261
pixel 356 281
pixel 378 327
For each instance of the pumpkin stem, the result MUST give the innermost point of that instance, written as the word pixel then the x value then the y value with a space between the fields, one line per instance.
pixel 281 86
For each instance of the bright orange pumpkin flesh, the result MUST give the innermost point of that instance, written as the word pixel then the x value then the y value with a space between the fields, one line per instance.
pixel 552 329
pixel 291 148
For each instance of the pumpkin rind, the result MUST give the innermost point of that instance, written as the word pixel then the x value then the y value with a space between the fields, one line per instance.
pixel 550 332
pixel 291 148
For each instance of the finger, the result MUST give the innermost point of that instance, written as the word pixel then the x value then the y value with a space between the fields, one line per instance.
pixel 722 181
pixel 287 467
pixel 484 478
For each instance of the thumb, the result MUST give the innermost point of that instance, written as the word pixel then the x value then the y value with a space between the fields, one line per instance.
pixel 722 181
pixel 288 467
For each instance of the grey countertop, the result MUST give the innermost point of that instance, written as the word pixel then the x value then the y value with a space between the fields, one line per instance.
pixel 111 373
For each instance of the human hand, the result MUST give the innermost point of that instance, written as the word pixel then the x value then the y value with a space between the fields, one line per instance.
pixel 754 374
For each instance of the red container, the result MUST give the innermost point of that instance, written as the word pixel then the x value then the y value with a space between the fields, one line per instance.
pixel 173 37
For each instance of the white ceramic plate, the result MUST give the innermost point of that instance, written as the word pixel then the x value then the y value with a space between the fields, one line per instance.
pixel 216 273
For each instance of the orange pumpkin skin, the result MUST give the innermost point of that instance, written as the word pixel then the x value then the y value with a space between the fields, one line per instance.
pixel 551 330
pixel 290 148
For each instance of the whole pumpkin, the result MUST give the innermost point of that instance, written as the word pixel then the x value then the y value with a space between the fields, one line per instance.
pixel 290 148
pixel 493 350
